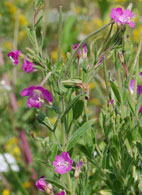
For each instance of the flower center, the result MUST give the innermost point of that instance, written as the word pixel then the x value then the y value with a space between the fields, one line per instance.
pixel 65 163
pixel 12 59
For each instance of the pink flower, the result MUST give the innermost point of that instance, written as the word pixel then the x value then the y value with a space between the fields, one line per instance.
pixel 85 51
pixel 63 163
pixel 141 75
pixel 100 61
pixel 122 17
pixel 132 85
pixel 62 193
pixel 79 51
pixel 41 184
pixel 35 93
pixel 140 110
pixel 28 66
pixel 14 56
pixel 80 164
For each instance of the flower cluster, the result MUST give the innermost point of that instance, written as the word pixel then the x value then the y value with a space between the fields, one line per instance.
pixel 27 66
pixel 35 93
pixel 62 164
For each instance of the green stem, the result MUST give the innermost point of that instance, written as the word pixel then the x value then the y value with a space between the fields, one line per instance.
pixel 35 39
pixel 74 187
pixel 106 39
pixel 136 80
pixel 69 183
pixel 57 140
pixel 120 90
pixel 60 34
pixel 106 79
pixel 82 42
pixel 135 61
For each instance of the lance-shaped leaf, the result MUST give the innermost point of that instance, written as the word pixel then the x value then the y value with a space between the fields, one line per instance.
pixel 43 119
pixel 78 133
pixel 115 91
pixel 78 109
pixel 70 105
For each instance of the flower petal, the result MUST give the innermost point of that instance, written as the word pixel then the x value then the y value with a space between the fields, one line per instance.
pixel 132 85
pixel 46 94
pixel 27 91
pixel 131 24
pixel 34 103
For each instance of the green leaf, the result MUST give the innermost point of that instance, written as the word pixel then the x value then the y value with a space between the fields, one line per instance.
pixel 70 105
pixel 54 152
pixel 139 104
pixel 84 150
pixel 78 109
pixel 30 35
pixel 39 3
pixel 38 21
pixel 115 91
pixel 78 133
pixel 43 119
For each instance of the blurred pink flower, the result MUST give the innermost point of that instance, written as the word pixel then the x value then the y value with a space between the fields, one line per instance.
pixel 141 75
pixel 79 164
pixel 140 110
pixel 14 56
pixel 122 17
pixel 41 184
pixel 85 51
pixel 79 51
pixel 62 193
pixel 28 66
pixel 63 163
pixel 132 85
pixel 35 93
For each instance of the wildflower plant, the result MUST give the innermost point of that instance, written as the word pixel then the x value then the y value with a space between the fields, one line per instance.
pixel 85 154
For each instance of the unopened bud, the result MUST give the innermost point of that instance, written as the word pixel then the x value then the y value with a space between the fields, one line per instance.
pixel 121 57
pixel 78 169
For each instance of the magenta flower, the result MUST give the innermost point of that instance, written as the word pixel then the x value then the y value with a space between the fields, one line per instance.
pixel 141 75
pixel 41 184
pixel 62 193
pixel 100 61
pixel 122 17
pixel 139 89
pixel 14 56
pixel 35 93
pixel 79 164
pixel 63 163
pixel 28 66
pixel 111 102
pixel 85 51
pixel 132 85
pixel 79 51
pixel 140 110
